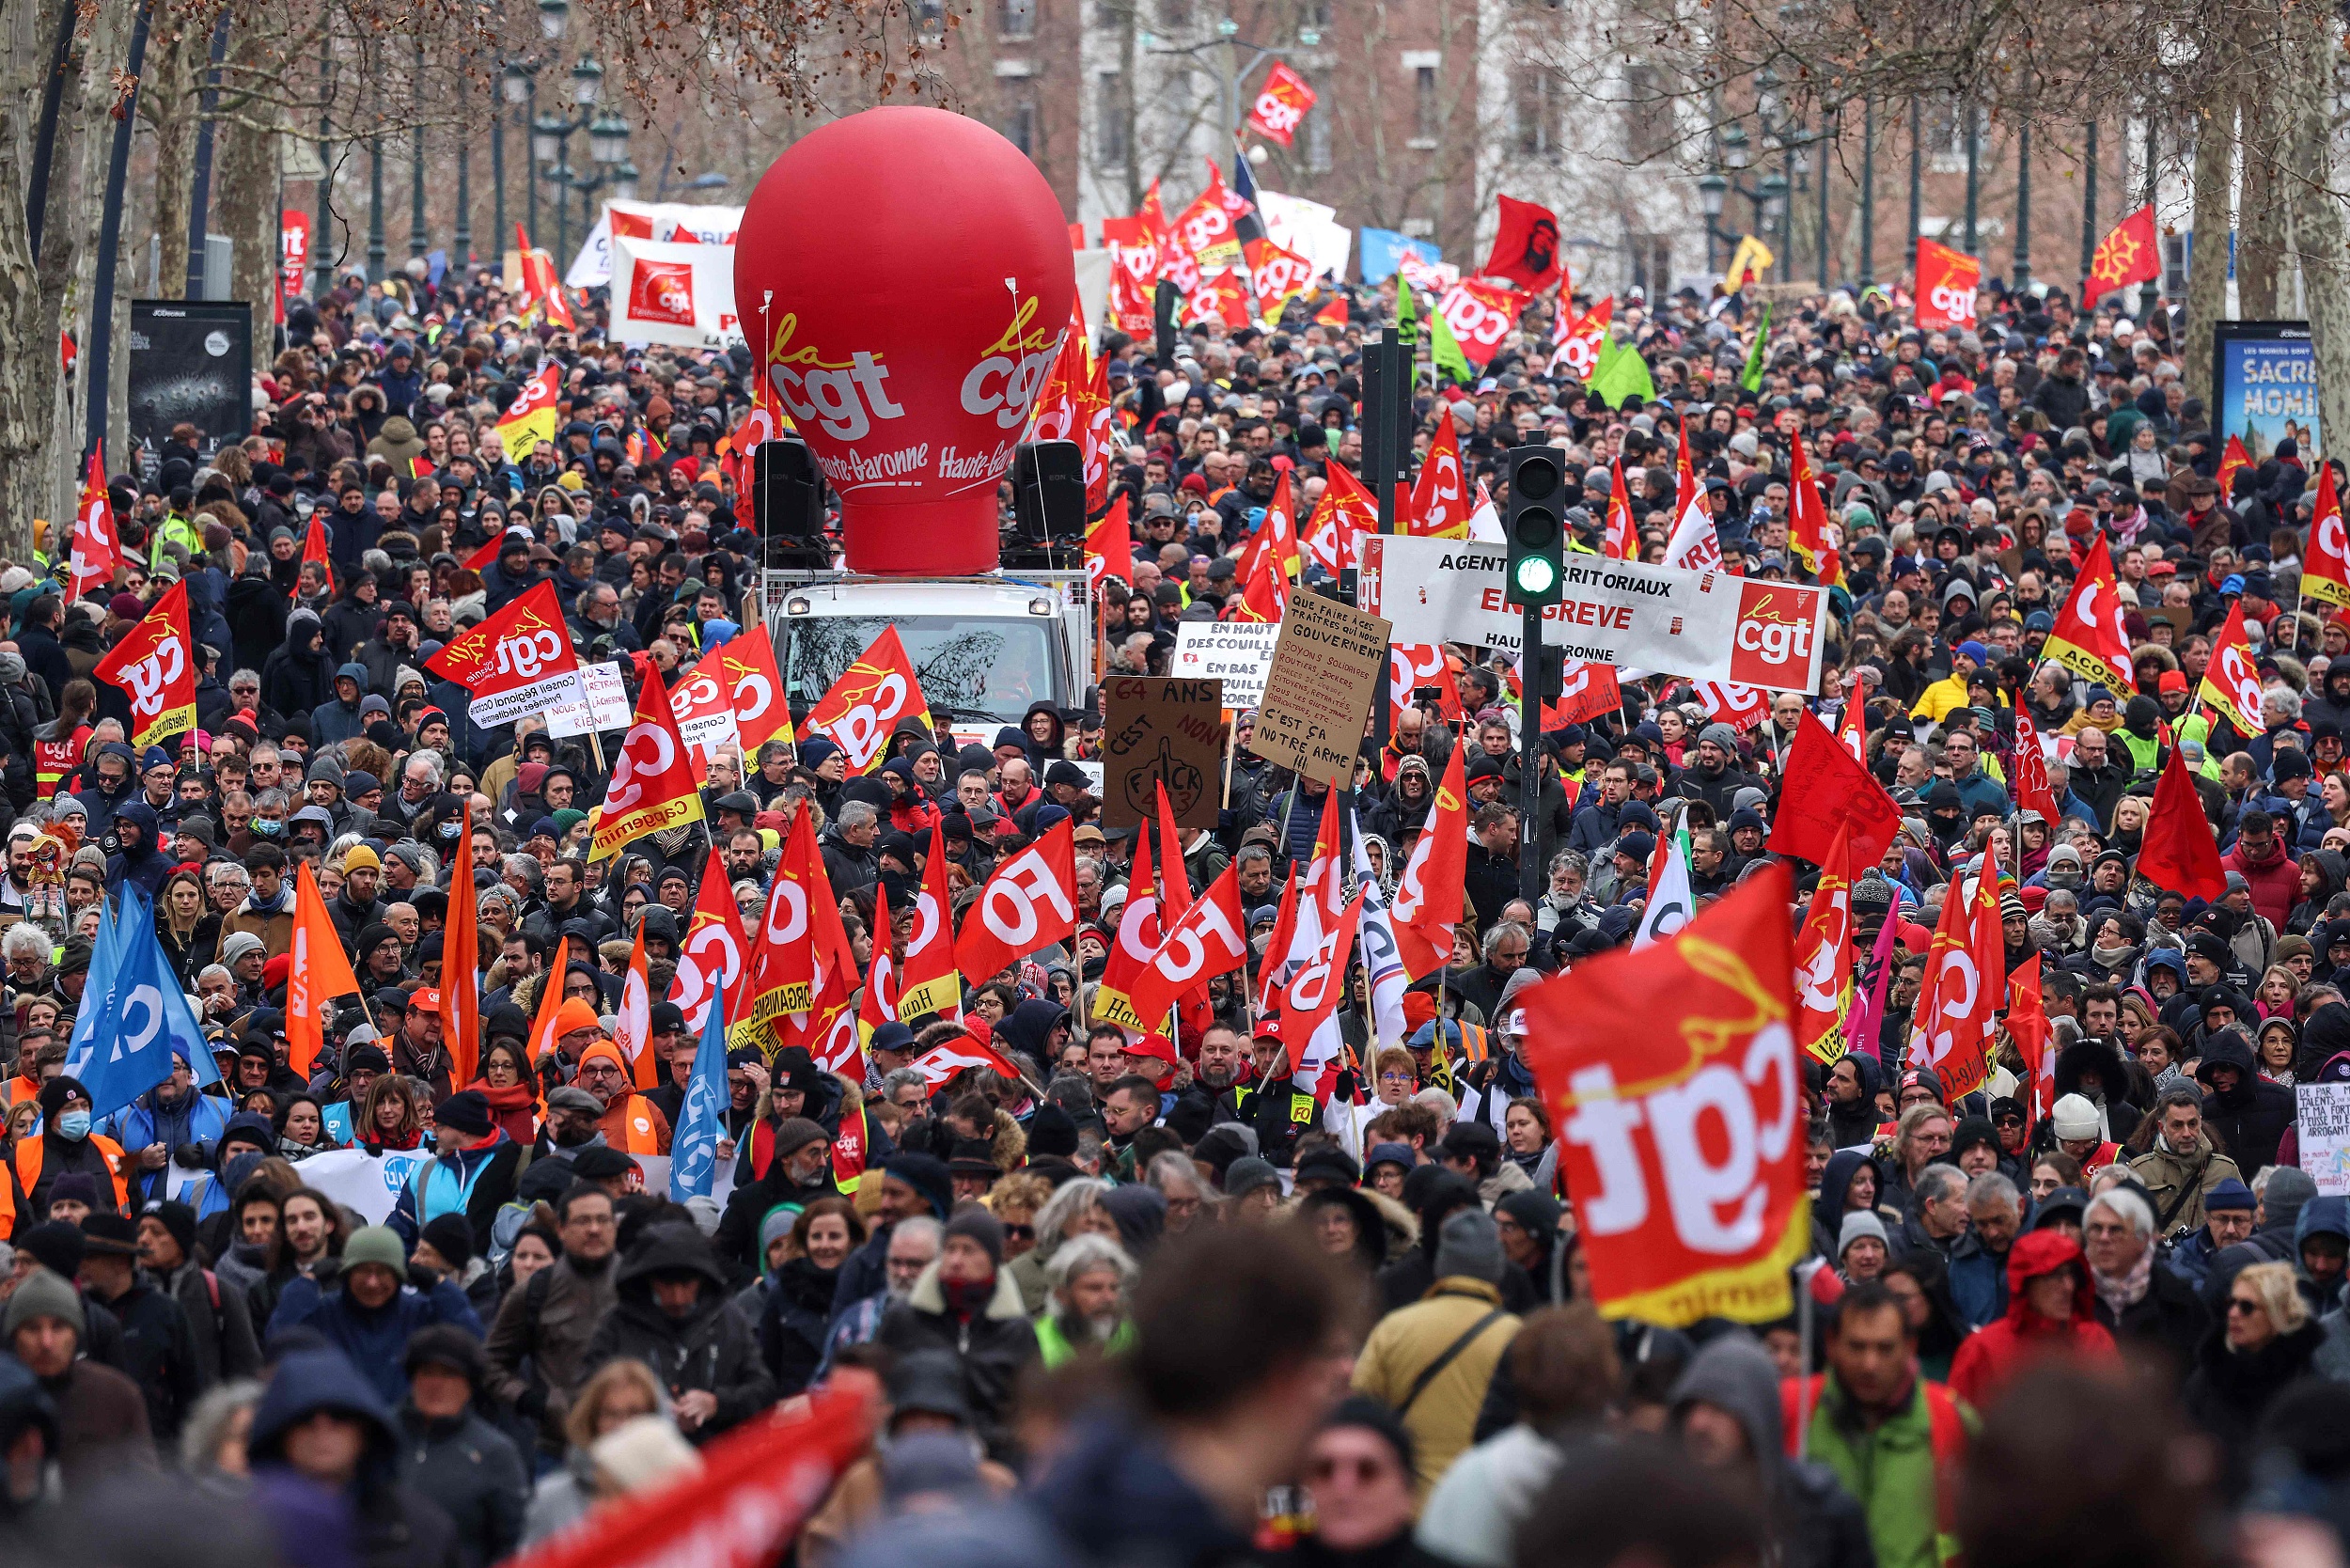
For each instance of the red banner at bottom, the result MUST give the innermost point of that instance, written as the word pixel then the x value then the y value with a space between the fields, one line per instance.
pixel 757 1486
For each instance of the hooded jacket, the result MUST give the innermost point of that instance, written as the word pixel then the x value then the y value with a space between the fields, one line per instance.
pixel 1827 1213
pixel 299 675
pixel 1814 1522
pixel 710 1350
pixel 1992 1355
pixel 2251 1118
pixel 146 867
pixel 389 1524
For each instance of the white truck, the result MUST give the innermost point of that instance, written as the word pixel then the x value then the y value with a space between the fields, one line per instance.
pixel 984 648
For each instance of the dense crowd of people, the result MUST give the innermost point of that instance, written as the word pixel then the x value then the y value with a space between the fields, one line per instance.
pixel 1156 1298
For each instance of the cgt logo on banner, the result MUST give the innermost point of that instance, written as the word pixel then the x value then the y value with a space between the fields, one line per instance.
pixel 518 661
pixel 1674 1080
pixel 1773 643
pixel 1947 280
pixel 662 292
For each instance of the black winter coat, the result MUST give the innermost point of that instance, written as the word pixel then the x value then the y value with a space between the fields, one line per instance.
pixel 2228 1393
pixel 2169 1318
pixel 2252 1117
pixel 791 1329
pixel 993 1347
pixel 473 1471
pixel 710 1350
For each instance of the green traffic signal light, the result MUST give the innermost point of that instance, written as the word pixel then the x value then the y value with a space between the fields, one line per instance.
pixel 1536 576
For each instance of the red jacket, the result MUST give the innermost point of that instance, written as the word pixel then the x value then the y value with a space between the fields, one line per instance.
pixel 2275 886
pixel 1993 1353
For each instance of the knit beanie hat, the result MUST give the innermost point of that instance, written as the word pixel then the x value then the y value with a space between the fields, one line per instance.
pixel 981 1227
pixel 376 1244
pixel 1859 1223
pixel 44 1294
pixel 1470 1245
pixel 2076 1118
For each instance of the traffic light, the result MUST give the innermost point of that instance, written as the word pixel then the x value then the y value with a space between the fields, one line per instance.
pixel 1534 526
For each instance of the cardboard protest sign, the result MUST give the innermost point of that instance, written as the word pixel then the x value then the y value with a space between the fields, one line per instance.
pixel 1324 668
pixel 1159 731
pixel 2323 1121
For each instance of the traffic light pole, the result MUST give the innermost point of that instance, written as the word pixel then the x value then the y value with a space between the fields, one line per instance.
pixel 1530 737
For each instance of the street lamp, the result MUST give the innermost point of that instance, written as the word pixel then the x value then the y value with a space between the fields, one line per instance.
pixel 587 81
pixel 607 140
pixel 553 17
pixel 608 149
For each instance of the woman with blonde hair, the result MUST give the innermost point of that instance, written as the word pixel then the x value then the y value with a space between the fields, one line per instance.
pixel 2265 1343
pixel 623 1390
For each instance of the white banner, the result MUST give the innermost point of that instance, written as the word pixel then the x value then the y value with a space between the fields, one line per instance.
pixel 606 706
pixel 508 706
pixel 1237 652
pixel 2323 1120
pixel 1706 625
pixel 665 221
pixel 682 295
pixel 366 1184
pixel 1308 228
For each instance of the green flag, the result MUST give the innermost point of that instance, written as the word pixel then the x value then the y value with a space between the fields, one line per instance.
pixel 1751 377
pixel 1444 350
pixel 1620 373
pixel 1406 314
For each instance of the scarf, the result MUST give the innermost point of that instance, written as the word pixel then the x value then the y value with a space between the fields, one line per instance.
pixel 967 1298
pixel 2122 1292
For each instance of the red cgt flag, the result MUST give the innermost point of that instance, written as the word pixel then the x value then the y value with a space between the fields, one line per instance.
pixel 2325 577
pixel 517 662
pixel 1428 896
pixel 1947 280
pixel 652 787
pixel 155 663
pixel 1966 979
pixel 1440 502
pixel 2032 792
pixel 2028 1026
pixel 2089 638
pixel 1824 957
pixel 2233 458
pixel 867 702
pixel 1673 1078
pixel 1281 104
pixel 2128 253
pixel 2178 852
pixel 760 715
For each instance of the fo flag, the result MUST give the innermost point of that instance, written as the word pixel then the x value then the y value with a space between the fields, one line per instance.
pixel 2089 638
pixel 1281 104
pixel 1210 938
pixel 1526 246
pixel 1029 902
pixel 518 661
pixel 2231 683
pixel 152 663
pixel 963 1054
pixel 1946 288
pixel 1674 1079
pixel 652 783
pixel 867 702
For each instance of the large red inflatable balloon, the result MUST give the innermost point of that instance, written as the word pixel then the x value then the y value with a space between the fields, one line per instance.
pixel 903 277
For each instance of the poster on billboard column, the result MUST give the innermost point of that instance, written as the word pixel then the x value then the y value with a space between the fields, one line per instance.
pixel 191 363
pixel 2267 377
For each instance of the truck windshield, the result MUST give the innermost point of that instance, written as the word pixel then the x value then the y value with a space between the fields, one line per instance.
pixel 991 668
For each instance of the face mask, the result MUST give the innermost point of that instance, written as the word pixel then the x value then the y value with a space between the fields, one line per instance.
pixel 266 828
pixel 74 1124
pixel 448 830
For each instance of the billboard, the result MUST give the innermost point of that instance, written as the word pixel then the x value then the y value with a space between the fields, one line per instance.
pixel 192 361
pixel 2267 376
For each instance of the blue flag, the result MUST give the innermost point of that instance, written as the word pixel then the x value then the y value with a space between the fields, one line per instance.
pixel 136 1037
pixel 702 1119
pixel 98 1001
pixel 1383 250
pixel 1249 225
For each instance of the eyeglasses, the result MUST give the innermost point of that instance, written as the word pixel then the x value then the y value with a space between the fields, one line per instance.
pixel 2244 1304
pixel 1021 1233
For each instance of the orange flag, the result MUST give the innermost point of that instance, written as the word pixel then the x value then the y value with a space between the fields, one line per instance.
pixel 319 974
pixel 314 549
pixel 2232 458
pixel 2126 254
pixel 550 1002
pixel 461 960
pixel 633 1031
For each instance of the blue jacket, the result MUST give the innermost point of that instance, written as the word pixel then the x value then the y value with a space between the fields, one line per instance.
pixel 1979 792
pixel 376 1341
pixel 463 1184
pixel 1979 1282
pixel 197 1121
